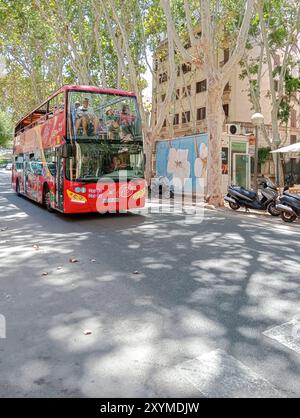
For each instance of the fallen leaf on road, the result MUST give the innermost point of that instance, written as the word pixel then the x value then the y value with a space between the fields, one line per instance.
pixel 73 260
pixel 87 332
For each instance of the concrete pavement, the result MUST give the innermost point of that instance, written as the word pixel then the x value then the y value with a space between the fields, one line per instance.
pixel 156 305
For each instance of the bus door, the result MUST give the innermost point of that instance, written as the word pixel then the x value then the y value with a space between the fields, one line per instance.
pixel 60 180
pixel 26 171
pixel 31 177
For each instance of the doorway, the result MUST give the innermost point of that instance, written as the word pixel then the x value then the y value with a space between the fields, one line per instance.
pixel 241 169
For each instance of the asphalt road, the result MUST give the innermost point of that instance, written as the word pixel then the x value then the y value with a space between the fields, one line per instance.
pixel 171 306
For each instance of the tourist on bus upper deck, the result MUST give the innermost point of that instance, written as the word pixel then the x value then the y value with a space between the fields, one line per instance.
pixel 84 116
pixel 126 124
pixel 111 122
pixel 102 127
pixel 74 111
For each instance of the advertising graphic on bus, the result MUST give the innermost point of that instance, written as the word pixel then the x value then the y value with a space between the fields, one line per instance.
pixel 82 151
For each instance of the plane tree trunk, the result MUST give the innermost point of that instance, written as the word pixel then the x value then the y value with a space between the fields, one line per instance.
pixel 215 118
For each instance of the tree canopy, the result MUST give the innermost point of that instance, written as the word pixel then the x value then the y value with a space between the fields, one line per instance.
pixel 47 43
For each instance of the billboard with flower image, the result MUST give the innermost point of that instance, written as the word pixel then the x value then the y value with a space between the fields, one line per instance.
pixel 183 159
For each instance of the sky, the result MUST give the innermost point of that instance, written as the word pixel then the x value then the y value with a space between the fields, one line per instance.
pixel 147 93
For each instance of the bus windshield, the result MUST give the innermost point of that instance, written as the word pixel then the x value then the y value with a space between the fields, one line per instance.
pixel 105 130
pixel 92 161
pixel 103 116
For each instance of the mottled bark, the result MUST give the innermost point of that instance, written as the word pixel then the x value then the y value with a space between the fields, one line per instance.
pixel 215 118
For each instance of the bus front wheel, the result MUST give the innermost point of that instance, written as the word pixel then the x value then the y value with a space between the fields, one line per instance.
pixel 47 198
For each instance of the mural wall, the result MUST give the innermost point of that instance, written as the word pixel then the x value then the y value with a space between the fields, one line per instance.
pixel 184 158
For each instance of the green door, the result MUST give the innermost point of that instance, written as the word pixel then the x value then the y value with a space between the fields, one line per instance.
pixel 241 165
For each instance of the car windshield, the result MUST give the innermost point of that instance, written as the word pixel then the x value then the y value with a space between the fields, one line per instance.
pixel 94 161
pixel 104 117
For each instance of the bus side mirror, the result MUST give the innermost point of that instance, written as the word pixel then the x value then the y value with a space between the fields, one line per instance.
pixel 66 151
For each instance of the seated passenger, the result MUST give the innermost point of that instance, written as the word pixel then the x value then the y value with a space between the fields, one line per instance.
pixel 126 124
pixel 74 111
pixel 85 116
pixel 102 127
pixel 111 122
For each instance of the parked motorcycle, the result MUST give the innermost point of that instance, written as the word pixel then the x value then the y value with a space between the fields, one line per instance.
pixel 289 206
pixel 238 196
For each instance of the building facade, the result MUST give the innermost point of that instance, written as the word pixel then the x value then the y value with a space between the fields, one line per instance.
pixel 187 114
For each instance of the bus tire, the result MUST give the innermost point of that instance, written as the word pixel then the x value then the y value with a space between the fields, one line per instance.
pixel 47 198
pixel 18 188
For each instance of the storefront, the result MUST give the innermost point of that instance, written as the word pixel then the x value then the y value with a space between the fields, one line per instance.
pixel 236 160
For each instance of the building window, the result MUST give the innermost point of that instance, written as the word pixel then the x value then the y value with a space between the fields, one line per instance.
pixel 176 119
pixel 163 77
pixel 226 55
pixel 277 60
pixel 227 87
pixel 293 139
pixel 186 91
pixel 201 86
pixel 201 113
pixel 186 68
pixel 293 118
pixel 226 109
pixel 186 116
pixel 177 94
pixel 163 96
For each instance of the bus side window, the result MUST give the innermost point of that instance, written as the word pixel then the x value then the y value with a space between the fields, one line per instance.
pixel 38 168
pixel 19 162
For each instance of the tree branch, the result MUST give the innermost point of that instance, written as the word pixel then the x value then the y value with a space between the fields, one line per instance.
pixel 238 52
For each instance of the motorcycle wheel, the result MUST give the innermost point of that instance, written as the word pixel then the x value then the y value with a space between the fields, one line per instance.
pixel 288 217
pixel 272 209
pixel 234 206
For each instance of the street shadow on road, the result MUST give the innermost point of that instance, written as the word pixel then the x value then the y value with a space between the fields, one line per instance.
pixel 142 295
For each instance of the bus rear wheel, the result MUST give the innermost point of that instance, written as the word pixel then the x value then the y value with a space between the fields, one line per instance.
pixel 47 198
pixel 18 188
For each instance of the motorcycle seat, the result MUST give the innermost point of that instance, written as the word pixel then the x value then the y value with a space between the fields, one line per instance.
pixel 248 193
pixel 293 195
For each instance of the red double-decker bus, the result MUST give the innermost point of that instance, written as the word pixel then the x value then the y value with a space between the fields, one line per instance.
pixel 81 151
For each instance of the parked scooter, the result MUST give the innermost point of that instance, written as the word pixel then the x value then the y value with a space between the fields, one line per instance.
pixel 289 206
pixel 240 197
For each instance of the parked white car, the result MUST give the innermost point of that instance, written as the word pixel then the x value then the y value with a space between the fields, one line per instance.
pixel 8 167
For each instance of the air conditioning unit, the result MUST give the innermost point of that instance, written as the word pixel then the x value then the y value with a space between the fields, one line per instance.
pixel 233 129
